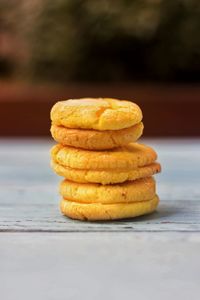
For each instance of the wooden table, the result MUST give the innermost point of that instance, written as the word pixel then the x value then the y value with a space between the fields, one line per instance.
pixel 44 255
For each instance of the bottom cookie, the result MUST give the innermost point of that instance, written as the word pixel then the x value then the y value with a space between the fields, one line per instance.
pixel 98 211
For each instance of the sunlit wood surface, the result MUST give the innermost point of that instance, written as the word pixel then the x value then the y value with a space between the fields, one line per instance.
pixel 44 255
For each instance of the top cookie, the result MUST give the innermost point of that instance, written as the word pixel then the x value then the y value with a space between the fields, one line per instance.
pixel 98 114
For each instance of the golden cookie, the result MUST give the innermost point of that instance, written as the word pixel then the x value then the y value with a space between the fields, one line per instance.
pixel 128 157
pixel 99 114
pixel 98 211
pixel 94 139
pixel 132 191
pixel 105 176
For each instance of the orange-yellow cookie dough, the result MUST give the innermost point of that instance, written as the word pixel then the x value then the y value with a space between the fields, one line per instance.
pixel 94 139
pixel 98 211
pixel 105 176
pixel 138 190
pixel 98 113
pixel 128 157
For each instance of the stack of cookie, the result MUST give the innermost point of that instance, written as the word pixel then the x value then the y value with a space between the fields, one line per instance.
pixel 107 174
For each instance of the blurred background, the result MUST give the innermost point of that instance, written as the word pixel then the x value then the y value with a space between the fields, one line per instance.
pixel 146 51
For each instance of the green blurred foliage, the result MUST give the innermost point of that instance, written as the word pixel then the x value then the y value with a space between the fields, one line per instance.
pixel 113 40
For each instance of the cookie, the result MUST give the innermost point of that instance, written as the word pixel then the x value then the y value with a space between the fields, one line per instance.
pixel 94 139
pixel 128 157
pixel 98 113
pixel 98 211
pixel 132 191
pixel 105 176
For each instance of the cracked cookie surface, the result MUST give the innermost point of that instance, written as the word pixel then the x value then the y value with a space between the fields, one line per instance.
pixel 128 157
pixel 132 191
pixel 99 211
pixel 96 113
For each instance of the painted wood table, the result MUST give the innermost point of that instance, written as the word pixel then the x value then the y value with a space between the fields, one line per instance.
pixel 44 255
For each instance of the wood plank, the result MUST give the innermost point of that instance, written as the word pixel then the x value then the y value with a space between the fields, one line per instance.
pixel 100 266
pixel 44 255
pixel 29 197
pixel 27 216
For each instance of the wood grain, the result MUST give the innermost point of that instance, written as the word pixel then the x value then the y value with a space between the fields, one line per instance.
pixel 44 255
pixel 29 198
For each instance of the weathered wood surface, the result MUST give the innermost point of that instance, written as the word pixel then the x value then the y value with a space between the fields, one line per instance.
pixel 99 266
pixel 29 198
pixel 46 256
